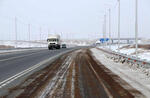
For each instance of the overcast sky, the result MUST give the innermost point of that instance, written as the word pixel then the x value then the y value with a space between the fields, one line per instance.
pixel 74 18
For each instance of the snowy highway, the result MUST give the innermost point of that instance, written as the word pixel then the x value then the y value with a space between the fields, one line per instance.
pixel 77 73
pixel 14 65
pixel 74 49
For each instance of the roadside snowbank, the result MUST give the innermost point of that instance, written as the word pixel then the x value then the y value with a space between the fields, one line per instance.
pixel 142 53
pixel 136 76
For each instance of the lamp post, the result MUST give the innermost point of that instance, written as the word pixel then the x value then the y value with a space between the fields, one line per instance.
pixel 41 36
pixel 29 31
pixel 118 25
pixel 109 28
pixel 16 32
pixel 40 33
pixel 136 27
pixel 105 28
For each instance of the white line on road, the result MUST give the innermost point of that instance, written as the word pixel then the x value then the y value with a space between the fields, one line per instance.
pixel 9 80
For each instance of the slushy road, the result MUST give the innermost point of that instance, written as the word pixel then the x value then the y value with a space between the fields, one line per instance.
pixel 13 63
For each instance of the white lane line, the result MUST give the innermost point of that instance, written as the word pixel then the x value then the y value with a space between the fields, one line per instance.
pixel 2 60
pixel 9 80
pixel 106 90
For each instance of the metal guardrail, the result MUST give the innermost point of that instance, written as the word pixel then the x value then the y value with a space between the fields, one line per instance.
pixel 128 58
pixel 133 59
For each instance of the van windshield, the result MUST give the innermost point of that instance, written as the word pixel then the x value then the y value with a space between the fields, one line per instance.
pixel 52 40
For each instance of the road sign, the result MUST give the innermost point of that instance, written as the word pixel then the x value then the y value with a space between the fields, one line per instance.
pixel 102 40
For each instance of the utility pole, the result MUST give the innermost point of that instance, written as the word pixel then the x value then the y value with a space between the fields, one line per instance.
pixel 136 26
pixel 16 32
pixel 118 25
pixel 40 36
pixel 105 28
pixel 29 31
pixel 40 33
pixel 109 28
pixel 103 31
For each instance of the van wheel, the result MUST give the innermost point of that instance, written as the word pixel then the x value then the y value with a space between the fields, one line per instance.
pixel 49 48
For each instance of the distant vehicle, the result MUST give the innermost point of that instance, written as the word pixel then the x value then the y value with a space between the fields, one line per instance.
pixel 63 46
pixel 53 42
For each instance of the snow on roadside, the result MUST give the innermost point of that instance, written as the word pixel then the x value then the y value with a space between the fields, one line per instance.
pixel 27 44
pixel 142 53
pixel 23 44
pixel 145 56
pixel 134 76
pixel 113 47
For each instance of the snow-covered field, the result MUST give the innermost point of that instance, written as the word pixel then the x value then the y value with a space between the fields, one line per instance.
pixel 26 44
pixel 10 46
pixel 137 76
pixel 142 53
pixel 23 44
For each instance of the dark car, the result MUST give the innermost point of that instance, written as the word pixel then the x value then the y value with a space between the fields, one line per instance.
pixel 64 46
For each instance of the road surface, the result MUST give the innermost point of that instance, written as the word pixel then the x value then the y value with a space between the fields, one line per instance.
pixel 14 63
pixel 75 74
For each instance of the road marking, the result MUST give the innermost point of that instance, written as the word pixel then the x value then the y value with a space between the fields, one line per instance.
pixel 9 80
pixel 107 91
pixel 2 60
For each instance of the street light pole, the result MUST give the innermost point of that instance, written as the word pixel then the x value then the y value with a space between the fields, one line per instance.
pixel 16 32
pixel 105 28
pixel 109 28
pixel 103 31
pixel 29 31
pixel 40 36
pixel 40 33
pixel 136 26
pixel 118 25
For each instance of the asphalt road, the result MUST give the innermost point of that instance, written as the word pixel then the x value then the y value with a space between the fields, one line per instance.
pixel 13 63
pixel 75 74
